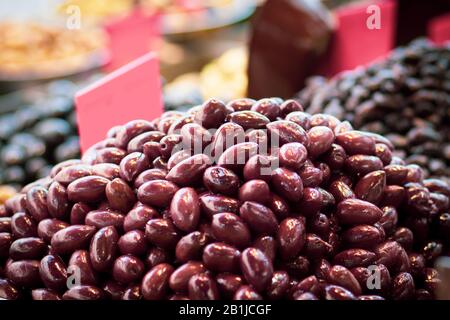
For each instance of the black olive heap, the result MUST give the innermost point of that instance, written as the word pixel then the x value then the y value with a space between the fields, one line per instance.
pixel 247 200
pixel 35 137
pixel 405 97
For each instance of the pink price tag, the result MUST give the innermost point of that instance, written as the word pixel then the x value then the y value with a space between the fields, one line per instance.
pixel 365 31
pixel 439 29
pixel 131 92
pixel 131 37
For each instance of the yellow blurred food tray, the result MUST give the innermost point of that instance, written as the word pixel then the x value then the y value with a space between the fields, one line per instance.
pixel 30 51
pixel 6 192
pixel 178 16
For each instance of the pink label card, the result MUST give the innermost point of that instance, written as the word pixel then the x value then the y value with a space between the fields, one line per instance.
pixel 128 93
pixel 365 31
pixel 439 29
pixel 131 37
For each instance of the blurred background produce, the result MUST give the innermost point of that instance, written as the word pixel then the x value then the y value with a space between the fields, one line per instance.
pixel 203 41
pixel 224 78
pixel 39 134
pixel 30 51
pixel 6 192
pixel 405 97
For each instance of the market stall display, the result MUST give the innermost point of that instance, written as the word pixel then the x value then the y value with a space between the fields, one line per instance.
pixel 405 97
pixel 276 203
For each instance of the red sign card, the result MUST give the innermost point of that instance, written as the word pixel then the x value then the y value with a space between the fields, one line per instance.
pixel 131 37
pixel 439 29
pixel 365 31
pixel 131 92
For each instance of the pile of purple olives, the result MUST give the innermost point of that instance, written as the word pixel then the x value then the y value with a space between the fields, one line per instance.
pixel 248 200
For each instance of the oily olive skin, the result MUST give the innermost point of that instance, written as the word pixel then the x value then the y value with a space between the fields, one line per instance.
pixel 342 276
pixel 137 217
pixel 248 119
pixel 354 211
pixel 221 180
pixel 356 142
pixel 236 156
pixel 190 247
pixel 24 273
pixel 211 114
pixel 293 155
pixel 83 293
pixel 211 204
pixel 57 201
pixel 352 258
pixel 258 167
pixel 27 249
pixel 133 242
pixel 148 175
pixel 23 225
pixel 246 293
pixel 228 284
pixel 291 237
pixel 71 238
pixel 53 272
pixel 103 248
pixel 320 140
pixel 287 183
pixel 256 268
pixel 267 107
pixel 203 287
pixel 226 136
pixel 44 294
pixel 288 131
pixel 260 219
pixel 371 187
pixel 37 203
pixel 5 224
pixel 231 229
pixel 162 233
pixel 185 209
pixel 179 279
pixel 189 171
pixel 220 257
pixel 279 285
pixel 157 192
pixel 127 269
pixel 254 190
pixel 80 261
pixel 268 245
pixel 79 212
pixel 104 218
pixel 109 155
pixel 276 204
pixel 87 189
pixel 71 173
pixel 132 129
pixel 120 196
